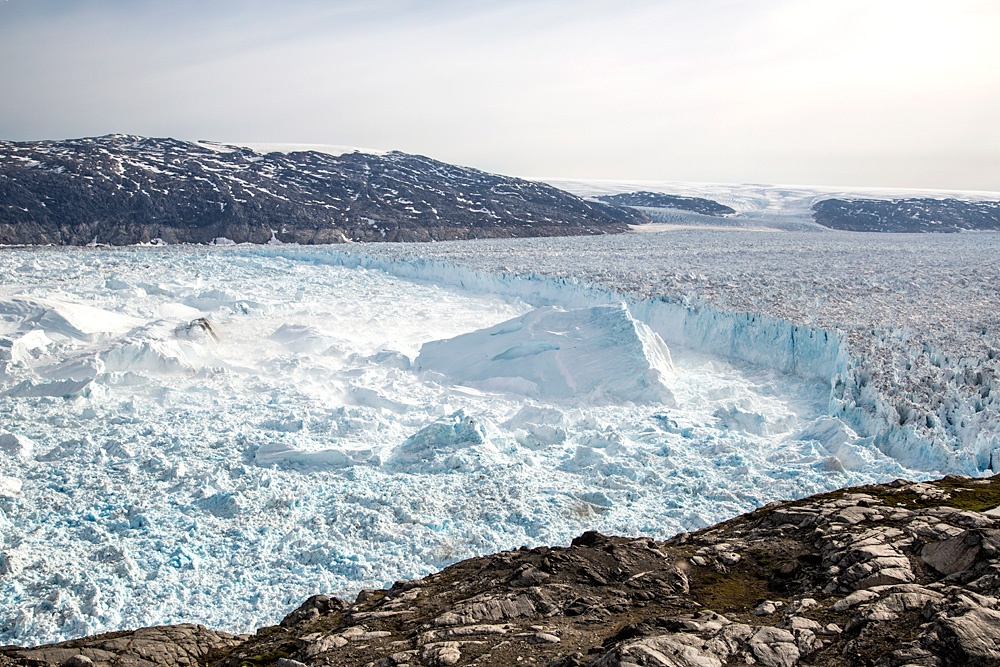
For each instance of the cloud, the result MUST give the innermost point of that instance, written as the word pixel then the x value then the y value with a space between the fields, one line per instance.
pixel 765 90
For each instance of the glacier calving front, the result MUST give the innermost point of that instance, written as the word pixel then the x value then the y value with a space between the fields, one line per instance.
pixel 150 473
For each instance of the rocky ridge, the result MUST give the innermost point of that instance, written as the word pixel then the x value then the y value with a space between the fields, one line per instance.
pixel 913 215
pixel 123 189
pixel 645 199
pixel 890 575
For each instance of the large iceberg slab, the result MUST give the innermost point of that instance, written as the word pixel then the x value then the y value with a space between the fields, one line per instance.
pixel 598 355
pixel 75 320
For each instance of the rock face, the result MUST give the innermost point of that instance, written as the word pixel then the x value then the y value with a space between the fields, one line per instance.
pixel 907 215
pixel 121 190
pixel 645 199
pixel 891 575
pixel 185 644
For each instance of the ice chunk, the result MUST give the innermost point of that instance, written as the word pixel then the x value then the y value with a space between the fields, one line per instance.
pixel 10 487
pixel 144 356
pixel 305 339
pixel 115 283
pixel 178 311
pixel 391 359
pixel 735 419
pixel 21 349
pixel 15 444
pixel 585 457
pixel 213 299
pixel 458 442
pixel 10 563
pixel 283 454
pixel 82 368
pixel 74 320
pixel 840 440
pixel 61 388
pixel 599 355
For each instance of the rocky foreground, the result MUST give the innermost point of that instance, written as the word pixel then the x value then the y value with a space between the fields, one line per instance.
pixel 891 575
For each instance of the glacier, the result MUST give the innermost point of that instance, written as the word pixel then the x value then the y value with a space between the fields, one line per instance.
pixel 326 433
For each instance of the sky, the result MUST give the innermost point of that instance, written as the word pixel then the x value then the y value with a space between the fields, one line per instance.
pixel 874 93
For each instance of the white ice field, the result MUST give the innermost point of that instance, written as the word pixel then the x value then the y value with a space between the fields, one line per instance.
pixel 315 439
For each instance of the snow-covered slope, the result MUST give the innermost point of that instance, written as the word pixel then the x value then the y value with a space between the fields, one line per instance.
pixel 121 189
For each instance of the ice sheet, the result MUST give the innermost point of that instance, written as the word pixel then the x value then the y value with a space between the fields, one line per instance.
pixel 158 470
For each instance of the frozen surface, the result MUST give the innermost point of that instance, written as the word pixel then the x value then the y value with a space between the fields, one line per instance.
pixel 212 434
pixel 918 315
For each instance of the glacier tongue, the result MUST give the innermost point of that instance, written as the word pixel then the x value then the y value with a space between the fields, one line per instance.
pixel 598 356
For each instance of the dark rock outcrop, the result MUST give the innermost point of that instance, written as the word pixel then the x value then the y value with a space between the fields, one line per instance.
pixel 907 215
pixel 121 190
pixel 890 575
pixel 184 644
pixel 645 199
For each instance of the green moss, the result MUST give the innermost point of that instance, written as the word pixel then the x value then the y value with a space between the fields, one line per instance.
pixel 964 496
pixel 977 498
pixel 268 630
pixel 724 592
pixel 268 658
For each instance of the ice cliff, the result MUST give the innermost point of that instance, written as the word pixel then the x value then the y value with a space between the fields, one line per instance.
pixel 950 426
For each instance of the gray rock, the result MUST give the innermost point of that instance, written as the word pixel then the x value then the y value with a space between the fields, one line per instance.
pixel 79 661
pixel 729 558
pixel 163 646
pixel 530 576
pixel 766 608
pixel 961 552
pixel 181 195
pixel 313 607
pixel 672 650
pixel 774 647
pixel 971 639
pixel 441 654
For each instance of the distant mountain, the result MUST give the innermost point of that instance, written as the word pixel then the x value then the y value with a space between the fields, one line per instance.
pixel 907 215
pixel 122 189
pixel 659 200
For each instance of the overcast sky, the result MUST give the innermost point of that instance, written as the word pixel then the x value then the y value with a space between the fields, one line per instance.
pixel 840 92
